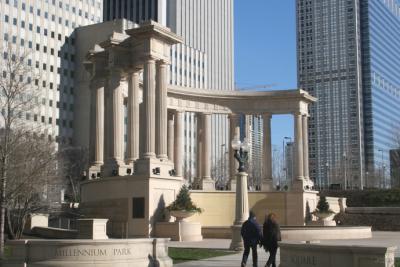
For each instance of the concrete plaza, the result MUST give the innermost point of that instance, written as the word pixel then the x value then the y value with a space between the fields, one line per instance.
pixel 378 238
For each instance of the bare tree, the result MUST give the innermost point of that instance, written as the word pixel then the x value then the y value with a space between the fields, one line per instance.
pixel 31 169
pixel 18 98
pixel 278 165
pixel 73 162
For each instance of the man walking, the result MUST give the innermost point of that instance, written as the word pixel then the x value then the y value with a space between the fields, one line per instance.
pixel 251 234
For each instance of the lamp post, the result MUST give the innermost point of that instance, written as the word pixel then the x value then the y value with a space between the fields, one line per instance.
pixel 241 150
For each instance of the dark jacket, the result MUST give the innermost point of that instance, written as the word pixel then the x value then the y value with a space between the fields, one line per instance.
pixel 271 234
pixel 251 232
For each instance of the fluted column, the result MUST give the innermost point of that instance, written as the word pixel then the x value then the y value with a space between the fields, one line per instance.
pixel 171 129
pixel 179 142
pixel 267 183
pixel 234 133
pixel 149 101
pixel 305 148
pixel 133 118
pixel 207 182
pixel 97 122
pixel 115 119
pixel 207 146
pixel 199 156
pixel 298 140
pixel 161 110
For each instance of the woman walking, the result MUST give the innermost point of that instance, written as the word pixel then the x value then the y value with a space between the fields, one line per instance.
pixel 271 236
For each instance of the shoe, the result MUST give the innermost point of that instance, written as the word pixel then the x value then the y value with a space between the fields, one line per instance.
pixel 243 265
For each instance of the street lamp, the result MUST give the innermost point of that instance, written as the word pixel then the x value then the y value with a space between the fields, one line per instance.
pixel 241 150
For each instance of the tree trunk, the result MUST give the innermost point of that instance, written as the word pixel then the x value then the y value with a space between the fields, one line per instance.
pixel 3 205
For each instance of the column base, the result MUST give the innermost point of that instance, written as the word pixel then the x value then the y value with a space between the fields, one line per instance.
pixel 115 168
pixel 155 166
pixel 94 172
pixel 299 185
pixel 208 184
pixel 236 242
pixel 232 184
pixel 267 185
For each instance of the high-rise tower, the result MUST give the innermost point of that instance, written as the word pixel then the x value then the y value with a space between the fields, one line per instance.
pixel 348 57
pixel 42 29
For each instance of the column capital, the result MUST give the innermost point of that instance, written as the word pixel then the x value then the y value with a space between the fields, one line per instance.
pixel 266 115
pixel 233 116
pixel 299 113
pixel 179 111
pixel 149 58
pixel 163 62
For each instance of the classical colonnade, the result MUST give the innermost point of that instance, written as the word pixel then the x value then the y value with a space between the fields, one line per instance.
pixel 155 112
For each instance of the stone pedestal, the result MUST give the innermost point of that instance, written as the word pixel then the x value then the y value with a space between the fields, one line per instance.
pixel 241 211
pixel 95 229
pixel 232 184
pixel 85 253
pixel 179 231
pixel 267 185
pixel 208 184
pixel 237 242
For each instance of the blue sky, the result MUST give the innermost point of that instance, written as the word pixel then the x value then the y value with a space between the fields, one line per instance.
pixel 265 51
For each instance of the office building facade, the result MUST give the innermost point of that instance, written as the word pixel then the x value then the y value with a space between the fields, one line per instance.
pixel 42 29
pixel 204 60
pixel 347 57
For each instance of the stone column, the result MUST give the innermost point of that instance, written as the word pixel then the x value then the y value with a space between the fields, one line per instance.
pixel 207 182
pixel 305 148
pixel 133 118
pixel 178 142
pixel 241 211
pixel 234 133
pixel 96 127
pixel 114 125
pixel 267 183
pixel 149 100
pixel 298 149
pixel 199 150
pixel 171 129
pixel 161 110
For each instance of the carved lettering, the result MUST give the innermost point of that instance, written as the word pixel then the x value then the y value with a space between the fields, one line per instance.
pixel 80 252
pixel 122 251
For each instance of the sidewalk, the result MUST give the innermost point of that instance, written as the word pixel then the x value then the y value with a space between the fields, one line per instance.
pixel 224 261
pixel 378 238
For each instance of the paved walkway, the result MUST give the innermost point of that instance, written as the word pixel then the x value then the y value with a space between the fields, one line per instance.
pixel 224 261
pixel 378 239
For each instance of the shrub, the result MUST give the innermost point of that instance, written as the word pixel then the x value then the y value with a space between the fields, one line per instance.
pixel 183 202
pixel 323 206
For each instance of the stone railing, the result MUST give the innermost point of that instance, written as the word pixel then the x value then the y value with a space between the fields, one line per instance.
pixel 300 254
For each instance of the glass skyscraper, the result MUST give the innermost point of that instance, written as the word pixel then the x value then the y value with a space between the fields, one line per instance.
pixel 349 57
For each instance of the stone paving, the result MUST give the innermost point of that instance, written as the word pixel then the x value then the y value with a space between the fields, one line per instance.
pixel 378 238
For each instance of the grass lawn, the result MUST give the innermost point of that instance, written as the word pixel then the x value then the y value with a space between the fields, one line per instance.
pixel 188 254
pixel 397 262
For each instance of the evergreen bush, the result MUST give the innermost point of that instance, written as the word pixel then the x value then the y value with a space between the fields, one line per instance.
pixel 183 202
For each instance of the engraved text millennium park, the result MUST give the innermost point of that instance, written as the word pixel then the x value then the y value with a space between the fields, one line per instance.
pixel 92 252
